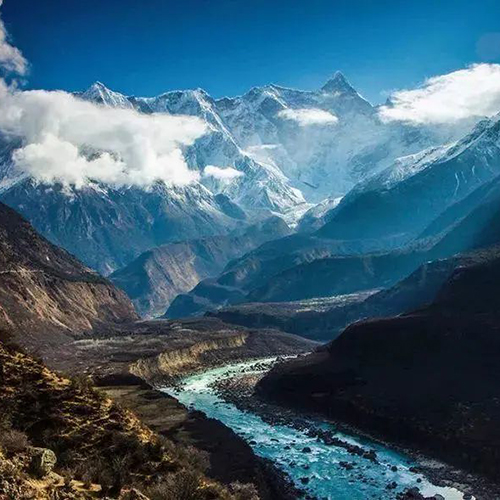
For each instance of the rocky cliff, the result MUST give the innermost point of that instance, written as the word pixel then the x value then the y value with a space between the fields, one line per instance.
pixel 47 295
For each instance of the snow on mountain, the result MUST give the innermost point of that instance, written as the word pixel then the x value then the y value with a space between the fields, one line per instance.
pixel 100 94
pixel 286 143
pixel 289 143
pixel 402 200
pixel 322 157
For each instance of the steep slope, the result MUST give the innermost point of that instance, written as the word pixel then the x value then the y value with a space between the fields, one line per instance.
pixel 402 200
pixel 156 277
pixel 108 227
pixel 46 295
pixel 426 379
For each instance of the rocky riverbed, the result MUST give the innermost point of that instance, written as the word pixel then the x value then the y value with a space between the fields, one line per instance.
pixel 320 459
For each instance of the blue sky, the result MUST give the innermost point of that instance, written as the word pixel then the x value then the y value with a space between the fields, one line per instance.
pixel 227 46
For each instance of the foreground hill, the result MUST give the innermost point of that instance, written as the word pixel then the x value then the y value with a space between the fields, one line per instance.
pixel 62 439
pixel 425 379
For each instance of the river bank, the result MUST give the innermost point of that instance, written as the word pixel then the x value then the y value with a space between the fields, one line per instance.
pixel 231 459
pixel 239 390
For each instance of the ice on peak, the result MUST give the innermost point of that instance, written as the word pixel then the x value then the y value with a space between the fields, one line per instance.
pixel 99 93
pixel 337 83
pixel 98 85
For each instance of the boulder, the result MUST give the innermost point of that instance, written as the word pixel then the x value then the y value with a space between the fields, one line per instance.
pixel 43 461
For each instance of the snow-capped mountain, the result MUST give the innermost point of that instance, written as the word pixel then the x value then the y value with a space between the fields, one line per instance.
pixel 281 143
pixel 288 143
pixel 402 200
pixel 324 141
pixel 262 186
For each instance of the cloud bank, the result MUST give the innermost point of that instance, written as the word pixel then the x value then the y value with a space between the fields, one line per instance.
pixel 222 174
pixel 465 94
pixel 75 142
pixel 309 116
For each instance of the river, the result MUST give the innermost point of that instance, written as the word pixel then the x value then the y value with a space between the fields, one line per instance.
pixel 284 445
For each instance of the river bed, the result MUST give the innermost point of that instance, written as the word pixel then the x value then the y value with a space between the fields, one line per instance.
pixel 312 465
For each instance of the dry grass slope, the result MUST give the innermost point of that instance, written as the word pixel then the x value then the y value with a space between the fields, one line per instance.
pixel 102 450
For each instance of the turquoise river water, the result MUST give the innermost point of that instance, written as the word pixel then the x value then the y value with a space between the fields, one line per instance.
pixel 326 478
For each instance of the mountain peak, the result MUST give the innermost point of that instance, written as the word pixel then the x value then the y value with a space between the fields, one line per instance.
pixel 97 86
pixel 337 83
pixel 98 92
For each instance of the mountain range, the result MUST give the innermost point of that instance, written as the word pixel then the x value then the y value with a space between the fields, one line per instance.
pixel 427 206
pixel 289 149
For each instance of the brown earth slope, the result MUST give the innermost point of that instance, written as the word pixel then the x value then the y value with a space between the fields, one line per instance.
pixel 46 295
pixel 101 450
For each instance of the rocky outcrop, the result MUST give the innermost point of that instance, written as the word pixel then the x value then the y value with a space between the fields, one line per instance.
pixel 42 462
pixel 173 363
pixel 426 379
pixel 157 276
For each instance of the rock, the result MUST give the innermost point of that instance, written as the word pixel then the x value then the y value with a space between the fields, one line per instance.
pixel 43 461
pixel 306 449
pixel 132 494
pixel 394 468
pixel 392 486
pixel 304 480
pixel 411 494
pixel 346 465
pixel 467 496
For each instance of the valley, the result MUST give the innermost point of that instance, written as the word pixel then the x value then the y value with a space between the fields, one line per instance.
pixel 321 459
pixel 251 290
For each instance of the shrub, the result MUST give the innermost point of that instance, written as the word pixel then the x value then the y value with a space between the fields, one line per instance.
pixel 184 485
pixel 244 491
pixel 13 441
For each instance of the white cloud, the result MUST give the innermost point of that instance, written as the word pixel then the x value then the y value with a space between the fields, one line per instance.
pixel 309 116
pixel 222 174
pixel 74 142
pixel 466 94
pixel 11 58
